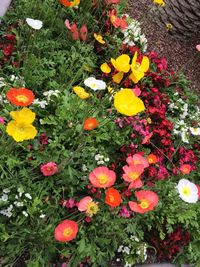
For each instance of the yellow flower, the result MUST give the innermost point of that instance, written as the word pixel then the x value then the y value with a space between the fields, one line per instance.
pixel 159 2
pixel 99 38
pixel 138 70
pixel 80 91
pixel 169 26
pixel 127 103
pixel 24 115
pixel 21 131
pixel 105 68
pixel 122 64
pixel 21 128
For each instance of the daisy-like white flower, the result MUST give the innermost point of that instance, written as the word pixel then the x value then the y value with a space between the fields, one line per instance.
pixel 188 191
pixel 195 131
pixel 95 84
pixel 34 23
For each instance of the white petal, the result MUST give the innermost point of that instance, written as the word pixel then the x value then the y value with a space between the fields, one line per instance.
pixel 34 23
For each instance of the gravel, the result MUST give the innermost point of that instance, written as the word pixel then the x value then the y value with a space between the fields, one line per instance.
pixel 182 56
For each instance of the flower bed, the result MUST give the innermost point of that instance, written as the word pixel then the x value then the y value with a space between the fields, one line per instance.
pixel 100 142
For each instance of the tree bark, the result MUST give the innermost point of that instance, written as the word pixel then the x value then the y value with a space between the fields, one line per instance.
pixel 181 16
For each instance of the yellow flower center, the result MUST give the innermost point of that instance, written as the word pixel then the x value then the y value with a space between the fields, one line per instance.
pixel 22 98
pixel 103 179
pixel 186 191
pixel 144 204
pixel 93 85
pixel 136 161
pixel 92 208
pixel 113 18
pixel 111 198
pixel 133 175
pixel 21 129
pixel 67 232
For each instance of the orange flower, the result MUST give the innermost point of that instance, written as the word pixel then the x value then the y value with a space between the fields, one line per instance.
pixel 152 159
pixel 113 197
pixel 185 168
pixel 117 22
pixel 20 97
pixel 70 4
pixel 102 177
pixel 66 231
pixel 148 201
pixel 90 124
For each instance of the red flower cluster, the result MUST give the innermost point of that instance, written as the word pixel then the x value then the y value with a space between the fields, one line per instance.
pixel 7 44
pixel 168 248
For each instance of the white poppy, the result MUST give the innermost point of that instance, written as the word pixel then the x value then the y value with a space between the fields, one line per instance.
pixel 188 191
pixel 195 131
pixel 95 84
pixel 34 23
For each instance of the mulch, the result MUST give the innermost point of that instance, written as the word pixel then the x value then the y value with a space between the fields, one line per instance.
pixel 181 55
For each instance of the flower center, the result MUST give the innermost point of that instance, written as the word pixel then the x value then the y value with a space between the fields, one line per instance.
pixel 21 129
pixel 133 175
pixel 113 18
pixel 22 98
pixel 67 232
pixel 93 85
pixel 136 161
pixel 111 198
pixel 92 208
pixel 144 204
pixel 186 191
pixel 103 179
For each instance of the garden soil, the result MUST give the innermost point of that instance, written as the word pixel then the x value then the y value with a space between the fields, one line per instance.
pixel 181 55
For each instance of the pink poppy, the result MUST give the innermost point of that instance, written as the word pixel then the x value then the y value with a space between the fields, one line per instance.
pixel 83 32
pixel 148 201
pixel 83 203
pixel 198 47
pixel 49 169
pixel 102 177
pixel 88 205
pixel 137 159
pixel 132 175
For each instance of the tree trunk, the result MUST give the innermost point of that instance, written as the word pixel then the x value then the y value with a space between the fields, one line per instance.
pixel 181 17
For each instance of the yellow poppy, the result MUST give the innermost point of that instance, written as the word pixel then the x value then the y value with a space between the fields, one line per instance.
pixel 99 38
pixel 138 70
pixel 21 131
pixel 80 91
pixel 105 68
pixel 127 103
pixel 159 2
pixel 24 115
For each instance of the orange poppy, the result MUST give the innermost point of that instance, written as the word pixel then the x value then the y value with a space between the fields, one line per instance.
pixel 66 231
pixel 152 159
pixel 185 168
pixel 70 4
pixel 113 197
pixel 90 124
pixel 148 200
pixel 20 97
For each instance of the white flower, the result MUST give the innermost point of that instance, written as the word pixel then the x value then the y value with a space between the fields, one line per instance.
pixel 42 216
pixel 84 168
pixel 97 157
pixel 19 204
pixel 25 213
pixel 34 23
pixel 188 191
pixel 41 103
pixel 120 249
pixel 184 137
pixel 50 93
pixel 4 197
pixel 20 190
pixel 126 250
pixel 6 190
pixel 2 83
pixel 195 131
pixel 28 196
pixel 100 162
pixel 95 84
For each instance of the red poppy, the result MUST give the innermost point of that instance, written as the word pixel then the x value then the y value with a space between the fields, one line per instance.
pixel 90 124
pixel 113 197
pixel 148 201
pixel 20 97
pixel 66 231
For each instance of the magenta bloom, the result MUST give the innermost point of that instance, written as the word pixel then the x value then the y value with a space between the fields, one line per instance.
pixel 2 121
pixel 49 168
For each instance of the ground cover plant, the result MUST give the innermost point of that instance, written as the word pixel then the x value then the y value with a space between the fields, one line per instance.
pixel 99 141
